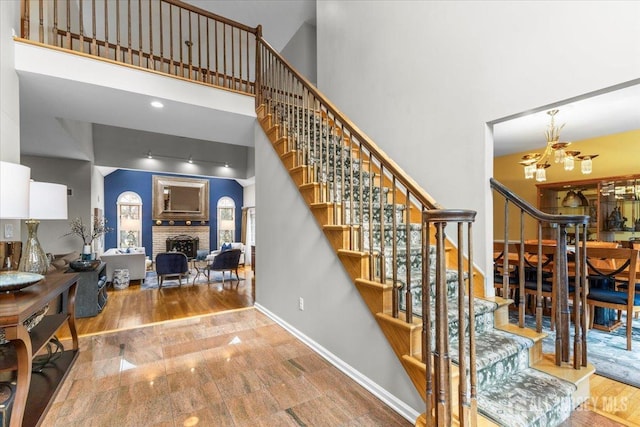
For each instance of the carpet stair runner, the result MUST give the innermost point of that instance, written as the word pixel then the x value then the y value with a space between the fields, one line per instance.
pixel 510 392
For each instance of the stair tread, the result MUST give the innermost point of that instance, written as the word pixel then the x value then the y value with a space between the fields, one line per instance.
pixel 493 345
pixel 527 398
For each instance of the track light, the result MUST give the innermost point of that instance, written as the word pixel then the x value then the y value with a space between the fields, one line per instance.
pixel 149 156
pixel 190 159
pixel 226 165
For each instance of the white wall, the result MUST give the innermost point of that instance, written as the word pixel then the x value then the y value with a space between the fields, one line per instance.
pixel 10 99
pixel 249 195
pixel 423 78
pixel 294 259
pixel 301 51
pixel 76 175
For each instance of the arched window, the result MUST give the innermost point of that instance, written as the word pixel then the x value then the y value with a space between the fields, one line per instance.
pixel 129 220
pixel 226 220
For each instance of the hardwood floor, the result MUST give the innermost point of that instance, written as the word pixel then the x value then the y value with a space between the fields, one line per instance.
pixel 133 307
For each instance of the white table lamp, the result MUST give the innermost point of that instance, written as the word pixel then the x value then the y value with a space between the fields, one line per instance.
pixel 14 191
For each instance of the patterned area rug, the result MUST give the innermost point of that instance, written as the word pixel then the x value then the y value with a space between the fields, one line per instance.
pixel 151 280
pixel 607 351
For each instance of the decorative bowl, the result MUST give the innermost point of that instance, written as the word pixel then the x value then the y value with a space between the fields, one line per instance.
pixel 83 265
pixel 16 280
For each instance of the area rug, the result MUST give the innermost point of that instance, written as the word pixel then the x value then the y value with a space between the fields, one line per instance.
pixel 605 350
pixel 151 280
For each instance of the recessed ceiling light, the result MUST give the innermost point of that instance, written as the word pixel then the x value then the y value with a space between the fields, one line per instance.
pixel 157 104
pixel 226 165
pixel 190 159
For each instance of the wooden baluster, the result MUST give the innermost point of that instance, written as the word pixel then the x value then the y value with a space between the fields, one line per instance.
pixel 395 300
pixel 538 280
pixel 233 61
pixel 473 395
pixel 408 294
pixel 140 48
pixel 129 31
pixel 583 285
pixel 189 44
pixel 68 43
pixel 202 74
pixel 172 61
pixel 180 44
pixel 563 280
pixel 240 58
pixel 81 25
pixel 426 316
pixel 55 23
pixel 441 356
pixel 25 13
pixel 94 43
pixel 106 29
pixel 162 39
pixel 224 53
pixel 505 264
pixel 577 338
pixel 360 221
pixel 40 21
pixel 208 75
pixel 463 399
pixel 383 255
pixel 247 86
pixel 151 58
pixel 118 47
pixel 215 27
pixel 351 145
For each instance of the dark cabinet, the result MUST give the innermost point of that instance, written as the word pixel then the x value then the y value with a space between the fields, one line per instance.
pixel 91 295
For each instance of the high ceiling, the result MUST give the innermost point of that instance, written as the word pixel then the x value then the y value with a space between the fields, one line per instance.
pixel 592 115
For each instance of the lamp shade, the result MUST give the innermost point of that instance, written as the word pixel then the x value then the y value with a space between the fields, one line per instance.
pixel 14 190
pixel 47 201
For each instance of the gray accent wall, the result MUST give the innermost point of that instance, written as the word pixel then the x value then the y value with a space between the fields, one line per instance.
pixel 294 259
pixel 425 79
pixel 301 52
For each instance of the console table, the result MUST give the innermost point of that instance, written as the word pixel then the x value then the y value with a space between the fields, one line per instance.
pixel 35 392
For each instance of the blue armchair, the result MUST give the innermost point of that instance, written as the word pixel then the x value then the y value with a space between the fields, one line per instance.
pixel 171 264
pixel 225 261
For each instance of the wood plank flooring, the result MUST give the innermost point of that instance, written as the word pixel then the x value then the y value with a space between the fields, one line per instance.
pixel 133 307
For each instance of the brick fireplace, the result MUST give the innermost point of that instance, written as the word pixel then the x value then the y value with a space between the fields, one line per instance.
pixel 162 233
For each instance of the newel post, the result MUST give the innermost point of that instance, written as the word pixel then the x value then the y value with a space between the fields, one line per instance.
pixel 438 392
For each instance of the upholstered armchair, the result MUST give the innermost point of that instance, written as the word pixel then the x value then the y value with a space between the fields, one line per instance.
pixel 225 261
pixel 233 245
pixel 171 264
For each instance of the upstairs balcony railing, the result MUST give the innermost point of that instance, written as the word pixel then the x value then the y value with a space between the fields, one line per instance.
pixel 560 260
pixel 167 36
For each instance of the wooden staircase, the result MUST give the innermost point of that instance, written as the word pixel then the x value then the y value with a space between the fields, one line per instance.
pixel 405 337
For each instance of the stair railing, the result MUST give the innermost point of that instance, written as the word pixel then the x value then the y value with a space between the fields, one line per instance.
pixel 368 193
pixel 166 36
pixel 561 261
pixel 345 164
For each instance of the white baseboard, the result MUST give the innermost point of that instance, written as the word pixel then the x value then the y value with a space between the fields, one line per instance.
pixel 392 401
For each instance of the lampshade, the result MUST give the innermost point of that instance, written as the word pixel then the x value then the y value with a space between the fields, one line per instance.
pixel 14 190
pixel 47 201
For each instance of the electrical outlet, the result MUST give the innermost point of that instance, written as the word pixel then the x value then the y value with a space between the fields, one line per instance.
pixel 8 231
pixel 301 303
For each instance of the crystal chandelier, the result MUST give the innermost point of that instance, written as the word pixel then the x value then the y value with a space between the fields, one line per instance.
pixel 535 164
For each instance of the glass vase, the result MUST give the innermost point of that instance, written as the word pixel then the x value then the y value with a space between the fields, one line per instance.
pixel 33 259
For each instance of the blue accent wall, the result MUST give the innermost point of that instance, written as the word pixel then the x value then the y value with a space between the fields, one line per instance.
pixel 141 183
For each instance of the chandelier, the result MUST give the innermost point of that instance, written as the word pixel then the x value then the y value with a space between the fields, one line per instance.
pixel 535 164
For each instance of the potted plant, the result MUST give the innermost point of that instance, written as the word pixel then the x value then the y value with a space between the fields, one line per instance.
pixel 88 234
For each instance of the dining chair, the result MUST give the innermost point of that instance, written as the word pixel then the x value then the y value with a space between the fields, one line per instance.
pixel 624 300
